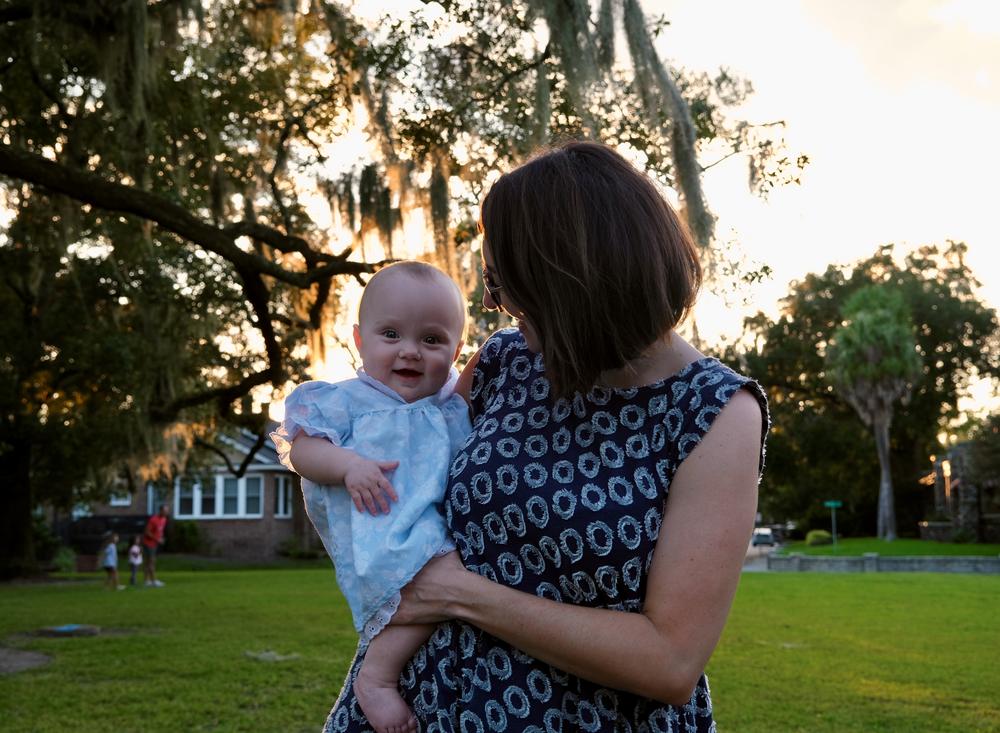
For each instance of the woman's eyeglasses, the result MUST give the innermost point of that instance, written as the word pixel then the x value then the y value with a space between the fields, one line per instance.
pixel 491 287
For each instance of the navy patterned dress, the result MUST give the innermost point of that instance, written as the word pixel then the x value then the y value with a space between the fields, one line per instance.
pixel 562 499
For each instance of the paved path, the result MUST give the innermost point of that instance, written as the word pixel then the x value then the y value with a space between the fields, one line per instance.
pixel 756 559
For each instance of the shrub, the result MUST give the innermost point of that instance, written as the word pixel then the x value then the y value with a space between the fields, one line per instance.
pixel 296 550
pixel 818 537
pixel 183 536
pixel 963 536
pixel 64 560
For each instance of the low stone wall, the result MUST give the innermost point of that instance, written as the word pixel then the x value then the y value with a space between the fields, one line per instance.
pixel 872 562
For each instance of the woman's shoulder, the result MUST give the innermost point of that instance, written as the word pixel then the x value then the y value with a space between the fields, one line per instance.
pixel 697 395
pixel 708 381
pixel 500 345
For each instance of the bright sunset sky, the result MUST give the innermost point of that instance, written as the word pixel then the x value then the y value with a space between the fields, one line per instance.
pixel 897 105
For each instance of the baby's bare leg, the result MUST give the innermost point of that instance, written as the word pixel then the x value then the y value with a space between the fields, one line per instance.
pixel 377 683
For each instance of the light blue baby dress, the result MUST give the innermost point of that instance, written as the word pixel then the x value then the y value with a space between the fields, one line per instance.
pixel 375 556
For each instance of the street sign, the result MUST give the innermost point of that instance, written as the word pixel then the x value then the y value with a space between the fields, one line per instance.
pixel 833 505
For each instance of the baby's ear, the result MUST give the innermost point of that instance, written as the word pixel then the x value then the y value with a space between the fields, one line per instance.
pixel 357 336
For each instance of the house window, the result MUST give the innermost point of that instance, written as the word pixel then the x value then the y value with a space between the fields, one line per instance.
pixel 207 487
pixel 283 497
pixel 185 496
pixel 253 486
pixel 124 499
pixel 230 496
pixel 157 494
pixel 202 498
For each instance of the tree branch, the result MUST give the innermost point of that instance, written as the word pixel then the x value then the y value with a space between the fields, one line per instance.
pixel 238 472
pixel 92 189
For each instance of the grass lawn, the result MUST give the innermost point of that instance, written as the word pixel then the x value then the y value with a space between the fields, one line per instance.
pixel 861 545
pixel 802 652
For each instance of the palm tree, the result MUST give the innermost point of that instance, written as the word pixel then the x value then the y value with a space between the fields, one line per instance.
pixel 871 361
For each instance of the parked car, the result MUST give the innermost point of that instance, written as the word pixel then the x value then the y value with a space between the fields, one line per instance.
pixel 762 536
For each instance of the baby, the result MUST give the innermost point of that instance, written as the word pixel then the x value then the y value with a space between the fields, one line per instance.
pixel 399 418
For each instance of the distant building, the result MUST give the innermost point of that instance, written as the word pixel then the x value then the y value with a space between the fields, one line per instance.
pixel 963 508
pixel 250 517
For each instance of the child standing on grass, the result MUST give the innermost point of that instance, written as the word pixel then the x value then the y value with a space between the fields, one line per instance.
pixel 344 439
pixel 109 560
pixel 134 557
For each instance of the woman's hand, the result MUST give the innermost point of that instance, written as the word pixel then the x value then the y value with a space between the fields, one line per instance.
pixel 426 598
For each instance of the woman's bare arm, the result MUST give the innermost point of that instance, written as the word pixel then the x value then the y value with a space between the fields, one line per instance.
pixel 464 384
pixel 661 652
pixel 322 462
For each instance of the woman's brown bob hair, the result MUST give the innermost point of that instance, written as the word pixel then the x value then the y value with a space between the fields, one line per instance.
pixel 598 261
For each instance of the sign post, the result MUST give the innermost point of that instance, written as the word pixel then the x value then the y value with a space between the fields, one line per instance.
pixel 833 504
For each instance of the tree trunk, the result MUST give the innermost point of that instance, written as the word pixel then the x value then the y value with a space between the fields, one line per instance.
pixel 886 505
pixel 17 546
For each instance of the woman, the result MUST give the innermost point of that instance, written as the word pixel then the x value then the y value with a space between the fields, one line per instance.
pixel 603 504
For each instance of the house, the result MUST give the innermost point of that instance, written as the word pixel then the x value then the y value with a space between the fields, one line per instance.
pixel 965 510
pixel 251 517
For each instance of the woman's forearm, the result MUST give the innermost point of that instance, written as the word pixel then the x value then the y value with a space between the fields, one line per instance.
pixel 617 649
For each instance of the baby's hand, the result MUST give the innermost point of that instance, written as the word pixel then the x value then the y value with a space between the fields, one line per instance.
pixel 366 483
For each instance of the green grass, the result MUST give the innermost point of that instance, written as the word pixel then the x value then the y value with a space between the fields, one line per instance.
pixel 802 652
pixel 861 545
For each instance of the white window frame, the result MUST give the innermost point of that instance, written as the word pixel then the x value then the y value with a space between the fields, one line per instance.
pixel 153 502
pixel 120 499
pixel 283 488
pixel 216 484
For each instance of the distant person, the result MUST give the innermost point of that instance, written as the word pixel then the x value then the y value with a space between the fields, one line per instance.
pixel 152 538
pixel 109 560
pixel 339 438
pixel 134 558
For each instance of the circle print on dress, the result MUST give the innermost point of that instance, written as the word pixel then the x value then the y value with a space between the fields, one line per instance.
pixel 564 503
pixel 562 471
pixel 535 475
pixel 611 454
pixel 513 519
pixel 507 478
pixel 538 511
pixel 620 490
pixel 604 423
pixel 593 497
pixel 512 422
pixel 589 464
pixel 629 531
pixel 539 686
pixel 488 427
pixel 496 718
pixel 600 538
pixel 495 529
pixel 561 440
pixel 539 389
pixel 632 416
pixel 536 446
pixel 516 701
pixel 499 663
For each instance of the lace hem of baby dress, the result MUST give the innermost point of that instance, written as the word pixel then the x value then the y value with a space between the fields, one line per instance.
pixel 379 620
pixel 384 613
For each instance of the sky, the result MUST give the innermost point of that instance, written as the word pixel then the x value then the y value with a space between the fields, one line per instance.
pixel 897 105
pixel 895 102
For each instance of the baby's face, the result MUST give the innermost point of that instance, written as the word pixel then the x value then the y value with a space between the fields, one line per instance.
pixel 410 335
